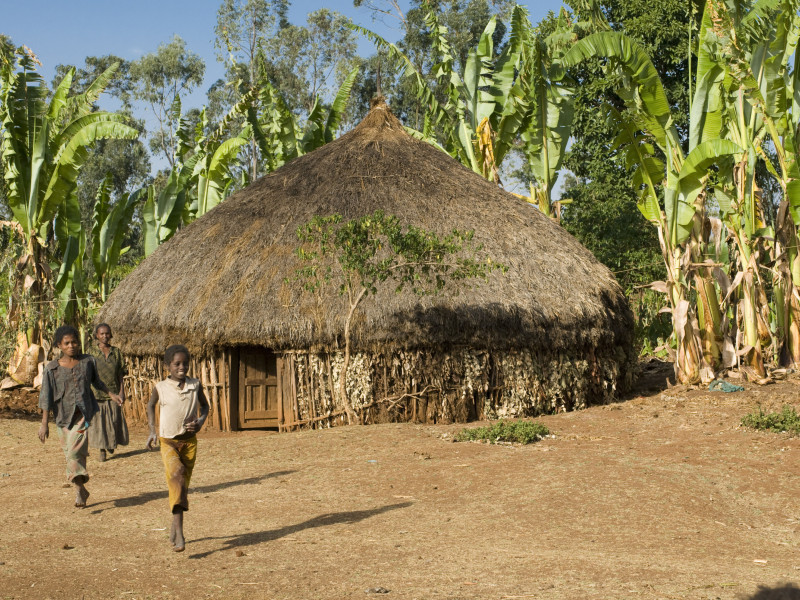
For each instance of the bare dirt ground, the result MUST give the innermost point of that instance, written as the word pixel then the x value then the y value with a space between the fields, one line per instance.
pixel 660 496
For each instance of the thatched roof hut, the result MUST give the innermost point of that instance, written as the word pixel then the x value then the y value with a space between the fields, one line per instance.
pixel 221 282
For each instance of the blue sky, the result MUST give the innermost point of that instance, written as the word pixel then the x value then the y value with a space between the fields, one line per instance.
pixel 65 32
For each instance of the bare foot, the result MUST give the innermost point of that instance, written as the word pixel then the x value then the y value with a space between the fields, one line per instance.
pixel 81 495
pixel 178 542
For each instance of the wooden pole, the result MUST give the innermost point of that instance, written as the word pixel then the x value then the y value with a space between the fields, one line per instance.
pixel 204 379
pixel 214 390
pixel 224 376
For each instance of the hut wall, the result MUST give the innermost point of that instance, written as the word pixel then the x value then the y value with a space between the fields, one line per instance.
pixel 457 386
pixel 409 385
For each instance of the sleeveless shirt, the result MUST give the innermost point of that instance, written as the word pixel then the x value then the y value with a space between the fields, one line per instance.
pixel 176 406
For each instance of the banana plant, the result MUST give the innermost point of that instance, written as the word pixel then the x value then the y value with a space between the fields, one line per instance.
pixel 110 223
pixel 162 214
pixel 44 146
pixel 277 132
pixel 485 107
pixel 760 85
pixel 70 282
pixel 551 93
pixel 681 219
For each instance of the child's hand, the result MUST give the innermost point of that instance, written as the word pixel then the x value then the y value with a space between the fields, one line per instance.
pixel 152 442
pixel 194 426
pixel 44 432
pixel 116 398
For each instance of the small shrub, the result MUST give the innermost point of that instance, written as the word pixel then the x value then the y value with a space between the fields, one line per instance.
pixel 519 432
pixel 786 420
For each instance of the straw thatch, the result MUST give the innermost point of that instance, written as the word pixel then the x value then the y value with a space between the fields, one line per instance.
pixel 222 281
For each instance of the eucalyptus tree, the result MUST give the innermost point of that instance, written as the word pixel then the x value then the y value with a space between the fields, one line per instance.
pixel 305 64
pixel 241 28
pixel 158 79
pixel 44 146
pixel 309 62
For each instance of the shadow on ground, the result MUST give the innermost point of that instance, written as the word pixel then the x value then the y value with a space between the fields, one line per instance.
pixel 146 497
pixel 125 454
pixel 654 377
pixel 787 591
pixel 259 537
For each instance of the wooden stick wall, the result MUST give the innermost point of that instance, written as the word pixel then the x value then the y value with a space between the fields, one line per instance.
pixel 308 396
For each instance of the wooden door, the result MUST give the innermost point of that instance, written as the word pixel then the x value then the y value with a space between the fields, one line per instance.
pixel 259 396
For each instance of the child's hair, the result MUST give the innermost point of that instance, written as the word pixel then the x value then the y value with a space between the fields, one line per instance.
pixel 101 325
pixel 64 331
pixel 170 352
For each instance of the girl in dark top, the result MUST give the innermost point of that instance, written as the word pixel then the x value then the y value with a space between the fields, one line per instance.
pixel 108 429
pixel 67 392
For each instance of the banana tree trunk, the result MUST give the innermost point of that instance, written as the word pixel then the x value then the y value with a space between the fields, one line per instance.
pixel 709 317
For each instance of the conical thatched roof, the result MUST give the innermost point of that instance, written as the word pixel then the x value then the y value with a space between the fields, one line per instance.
pixel 221 281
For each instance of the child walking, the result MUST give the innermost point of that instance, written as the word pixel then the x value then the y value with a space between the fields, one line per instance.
pixel 67 393
pixel 179 398
pixel 108 429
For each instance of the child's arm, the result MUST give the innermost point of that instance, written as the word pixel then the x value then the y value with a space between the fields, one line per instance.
pixel 152 440
pixel 198 423
pixel 44 429
pixel 46 404
pixel 121 385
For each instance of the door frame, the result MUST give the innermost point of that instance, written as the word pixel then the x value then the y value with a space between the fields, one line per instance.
pixel 236 411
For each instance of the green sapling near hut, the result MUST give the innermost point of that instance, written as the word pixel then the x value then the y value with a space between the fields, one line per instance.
pixel 367 253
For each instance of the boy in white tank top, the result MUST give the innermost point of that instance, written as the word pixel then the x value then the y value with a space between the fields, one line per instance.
pixel 179 398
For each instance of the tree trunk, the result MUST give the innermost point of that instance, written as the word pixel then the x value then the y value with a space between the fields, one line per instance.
pixel 352 417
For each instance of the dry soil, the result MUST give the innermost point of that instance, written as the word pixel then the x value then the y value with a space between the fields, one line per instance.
pixel 663 495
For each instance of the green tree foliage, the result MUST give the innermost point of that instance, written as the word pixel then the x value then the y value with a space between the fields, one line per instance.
pixel 110 225
pixel 602 213
pixel 158 79
pixel 241 29
pixel 308 63
pixel 304 65
pixel 362 255
pixel 484 108
pixel 603 210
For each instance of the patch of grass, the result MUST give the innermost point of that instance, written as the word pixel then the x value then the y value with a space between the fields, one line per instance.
pixel 786 420
pixel 517 432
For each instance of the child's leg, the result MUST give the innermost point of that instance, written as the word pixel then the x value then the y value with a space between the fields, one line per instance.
pixel 179 458
pixel 75 443
pixel 176 533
